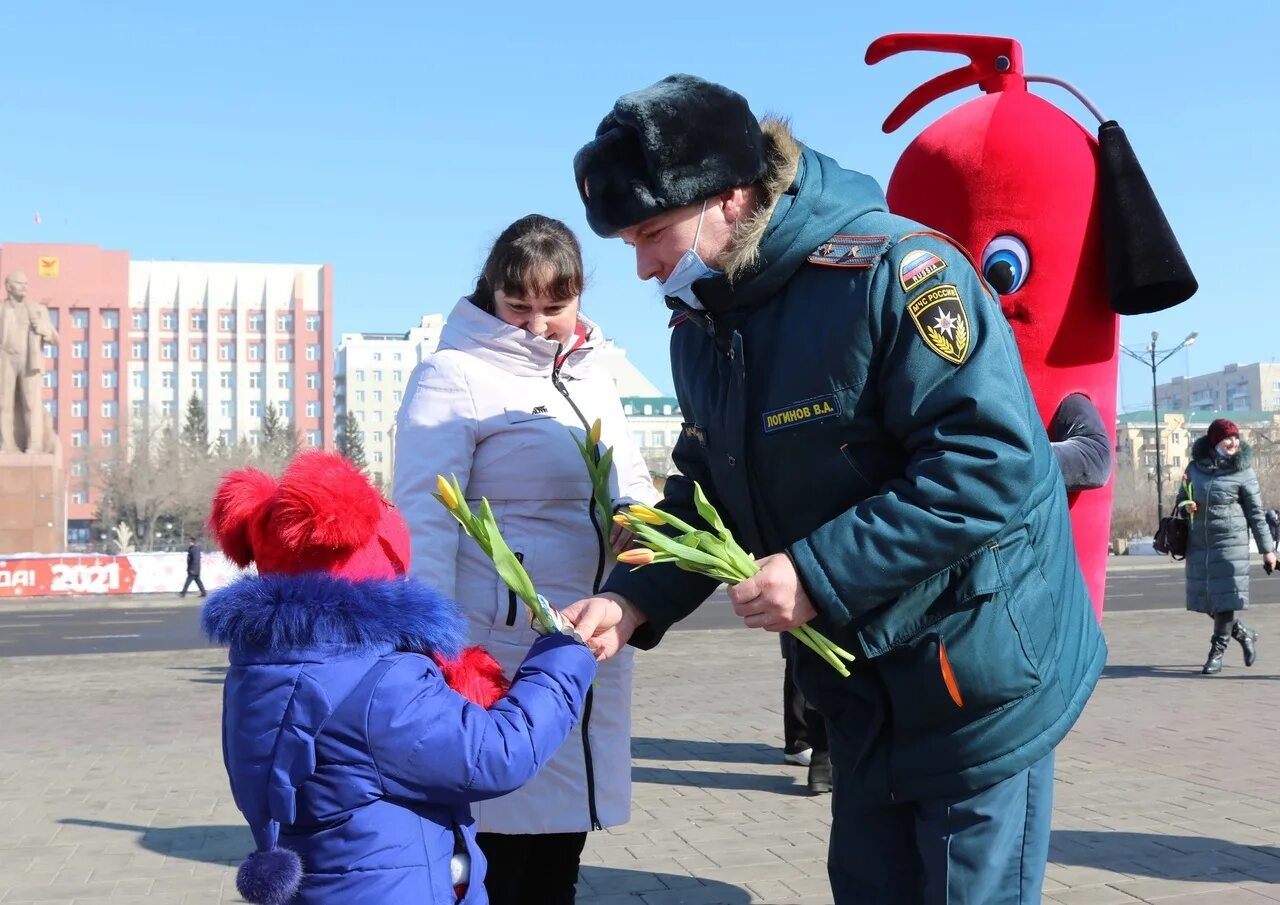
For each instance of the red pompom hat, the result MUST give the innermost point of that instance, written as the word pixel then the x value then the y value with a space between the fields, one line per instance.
pixel 1220 429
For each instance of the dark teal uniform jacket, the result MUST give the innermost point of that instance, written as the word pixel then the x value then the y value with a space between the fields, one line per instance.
pixel 857 401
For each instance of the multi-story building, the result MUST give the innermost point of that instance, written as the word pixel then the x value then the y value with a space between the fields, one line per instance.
pixel 138 338
pixel 1136 438
pixel 655 423
pixel 372 369
pixel 1236 388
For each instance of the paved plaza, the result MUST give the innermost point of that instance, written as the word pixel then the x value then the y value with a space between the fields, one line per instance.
pixel 112 788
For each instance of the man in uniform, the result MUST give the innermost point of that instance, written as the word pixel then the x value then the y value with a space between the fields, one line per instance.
pixel 857 411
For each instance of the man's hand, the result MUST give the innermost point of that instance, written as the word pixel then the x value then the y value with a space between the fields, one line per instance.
pixel 773 599
pixel 1268 562
pixel 605 623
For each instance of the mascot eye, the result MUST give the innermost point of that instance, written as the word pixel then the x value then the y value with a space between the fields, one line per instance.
pixel 1006 264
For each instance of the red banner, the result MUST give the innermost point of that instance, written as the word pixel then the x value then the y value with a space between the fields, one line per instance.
pixel 66 576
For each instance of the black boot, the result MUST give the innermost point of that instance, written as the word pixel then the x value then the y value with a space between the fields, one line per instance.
pixel 820 773
pixel 1248 639
pixel 1218 646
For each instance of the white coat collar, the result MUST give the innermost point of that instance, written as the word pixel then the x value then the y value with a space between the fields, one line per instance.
pixel 480 334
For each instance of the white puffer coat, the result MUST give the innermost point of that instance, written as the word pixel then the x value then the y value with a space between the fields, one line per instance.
pixel 491 407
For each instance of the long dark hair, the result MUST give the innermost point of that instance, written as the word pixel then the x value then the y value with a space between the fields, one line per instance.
pixel 534 256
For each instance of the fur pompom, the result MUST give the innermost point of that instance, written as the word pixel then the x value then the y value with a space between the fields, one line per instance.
pixel 269 878
pixel 475 675
pixel 239 499
pixel 325 504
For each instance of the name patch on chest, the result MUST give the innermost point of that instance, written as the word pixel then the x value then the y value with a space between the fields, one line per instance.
pixel 820 408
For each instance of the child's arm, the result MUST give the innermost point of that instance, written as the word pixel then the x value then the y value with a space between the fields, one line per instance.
pixel 429 743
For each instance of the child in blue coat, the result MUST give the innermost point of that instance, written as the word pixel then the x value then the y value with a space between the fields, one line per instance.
pixel 351 753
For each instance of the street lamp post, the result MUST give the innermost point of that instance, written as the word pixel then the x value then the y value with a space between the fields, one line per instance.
pixel 1153 358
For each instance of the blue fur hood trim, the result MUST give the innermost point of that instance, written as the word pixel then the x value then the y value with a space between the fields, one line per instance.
pixel 278 613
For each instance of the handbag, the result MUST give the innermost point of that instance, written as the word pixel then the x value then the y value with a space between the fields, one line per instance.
pixel 1171 536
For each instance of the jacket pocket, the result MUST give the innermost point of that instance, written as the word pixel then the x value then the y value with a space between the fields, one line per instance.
pixel 976 659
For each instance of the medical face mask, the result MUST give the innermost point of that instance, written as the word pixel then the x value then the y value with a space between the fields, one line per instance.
pixel 688 270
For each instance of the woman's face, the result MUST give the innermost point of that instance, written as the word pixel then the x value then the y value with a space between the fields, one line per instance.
pixel 552 319
pixel 1229 446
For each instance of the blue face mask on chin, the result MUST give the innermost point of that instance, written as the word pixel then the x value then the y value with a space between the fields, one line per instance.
pixel 688 270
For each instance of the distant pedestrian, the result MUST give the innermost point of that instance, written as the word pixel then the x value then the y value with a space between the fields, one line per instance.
pixel 193 567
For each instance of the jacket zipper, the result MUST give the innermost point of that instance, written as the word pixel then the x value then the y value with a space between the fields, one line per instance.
pixel 588 766
pixel 511 598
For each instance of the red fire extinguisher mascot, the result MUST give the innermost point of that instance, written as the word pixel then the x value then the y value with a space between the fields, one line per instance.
pixel 1063 226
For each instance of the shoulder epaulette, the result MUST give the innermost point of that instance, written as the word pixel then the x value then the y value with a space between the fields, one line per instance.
pixel 850 251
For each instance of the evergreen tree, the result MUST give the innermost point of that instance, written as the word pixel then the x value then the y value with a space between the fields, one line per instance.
pixel 280 441
pixel 195 428
pixel 351 442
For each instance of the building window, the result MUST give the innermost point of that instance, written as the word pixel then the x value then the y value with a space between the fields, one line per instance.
pixel 139 351
pixel 396 356
pixel 137 380
pixel 666 409
pixel 139 320
pixel 79 349
pixel 110 319
pixel 49 378
pixel 284 352
pixel 168 351
pixel 77 469
pixel 313 324
pixel 255 380
pixel 397 376
pixel 360 416
pixel 51 406
pixel 198 351
pixel 284 322
pixel 313 409
pixel 168 379
pixel 255 408
pixel 377 436
pixel 109 380
pixel 255 351
pixel 226 351
pixel 256 321
pixel 313 438
pixel 224 437
pixel 78 408
pixel 168 408
pixel 50 351
pixel 283 381
pixel 359 374
pixel 168 320
pixel 197 380
pixel 377 456
pixel 313 380
pixel 111 349
pixel 53 316
pixel 377 356
pixel 224 379
pixel 199 320
pixel 396 395
pixel 313 352
pixel 285 409
pixel 79 497
pixel 377 395
pixel 79 379
pixel 79 439
pixel 109 408
pixel 648 409
pixel 226 322
pixel 359 395
pixel 225 407
pixel 377 376
pixel 108 438
pixel 253 438
pixel 79 318
pixel 377 416
pixel 139 408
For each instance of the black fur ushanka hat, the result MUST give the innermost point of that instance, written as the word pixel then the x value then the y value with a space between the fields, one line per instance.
pixel 675 143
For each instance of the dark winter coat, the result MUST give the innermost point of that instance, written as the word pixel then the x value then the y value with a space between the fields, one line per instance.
pixel 1229 506
pixel 193 559
pixel 344 744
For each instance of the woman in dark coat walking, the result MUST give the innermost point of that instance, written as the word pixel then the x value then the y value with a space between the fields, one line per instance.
pixel 1221 491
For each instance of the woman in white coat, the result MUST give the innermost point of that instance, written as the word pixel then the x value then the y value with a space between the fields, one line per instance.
pixel 514 381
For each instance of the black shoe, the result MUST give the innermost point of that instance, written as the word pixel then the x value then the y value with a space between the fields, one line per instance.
pixel 1248 641
pixel 1217 647
pixel 820 774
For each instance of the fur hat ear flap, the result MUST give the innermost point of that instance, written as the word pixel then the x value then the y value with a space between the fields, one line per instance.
pixel 326 506
pixel 240 497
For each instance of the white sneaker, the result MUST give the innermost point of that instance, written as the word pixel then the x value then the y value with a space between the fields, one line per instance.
pixel 799 759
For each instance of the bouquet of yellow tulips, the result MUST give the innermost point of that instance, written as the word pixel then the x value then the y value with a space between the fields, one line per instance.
pixel 483 529
pixel 714 553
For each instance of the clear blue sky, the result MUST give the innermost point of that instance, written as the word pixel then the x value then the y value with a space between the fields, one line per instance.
pixel 395 141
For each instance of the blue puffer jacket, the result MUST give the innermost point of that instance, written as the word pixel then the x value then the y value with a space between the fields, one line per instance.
pixel 344 744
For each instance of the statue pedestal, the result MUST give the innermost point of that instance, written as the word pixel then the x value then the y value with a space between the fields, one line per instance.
pixel 33 503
